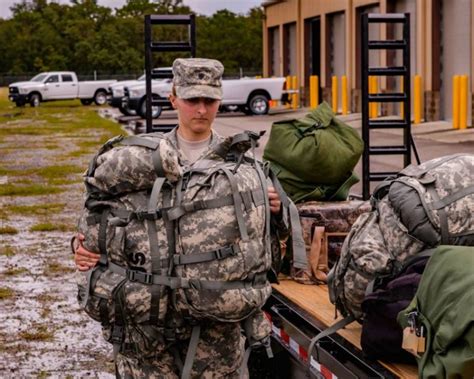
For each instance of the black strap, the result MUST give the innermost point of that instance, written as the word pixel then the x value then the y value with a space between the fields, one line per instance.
pixel 218 254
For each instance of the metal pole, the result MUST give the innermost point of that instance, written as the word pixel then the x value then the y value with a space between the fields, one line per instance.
pixel 365 106
pixel 407 86
pixel 149 126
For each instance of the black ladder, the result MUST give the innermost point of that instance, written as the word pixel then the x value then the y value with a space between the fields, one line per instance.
pixel 164 46
pixel 398 97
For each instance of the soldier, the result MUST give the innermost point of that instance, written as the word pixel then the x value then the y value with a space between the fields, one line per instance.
pixel 196 95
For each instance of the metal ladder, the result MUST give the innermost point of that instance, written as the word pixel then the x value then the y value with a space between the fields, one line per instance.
pixel 164 46
pixel 398 97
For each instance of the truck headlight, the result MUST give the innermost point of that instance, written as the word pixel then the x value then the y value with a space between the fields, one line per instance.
pixel 22 91
pixel 117 92
pixel 134 93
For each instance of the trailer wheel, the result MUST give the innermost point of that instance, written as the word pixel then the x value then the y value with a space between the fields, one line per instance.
pixel 100 97
pixel 86 101
pixel 258 104
pixel 35 100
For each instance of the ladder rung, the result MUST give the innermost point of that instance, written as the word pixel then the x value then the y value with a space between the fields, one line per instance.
pixel 160 102
pixel 386 97
pixel 387 124
pixel 170 46
pixel 387 44
pixel 379 176
pixel 386 17
pixel 387 150
pixel 387 71
pixel 162 75
pixel 170 19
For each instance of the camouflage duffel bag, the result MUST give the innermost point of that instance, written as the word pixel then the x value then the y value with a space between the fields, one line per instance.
pixel 435 200
pixel 128 290
pixel 128 164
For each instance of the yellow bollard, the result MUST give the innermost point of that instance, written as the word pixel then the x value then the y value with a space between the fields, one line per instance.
pixel 334 94
pixel 456 88
pixel 288 88
pixel 258 77
pixel 295 100
pixel 313 91
pixel 402 109
pixel 417 99
pixel 463 102
pixel 373 108
pixel 344 94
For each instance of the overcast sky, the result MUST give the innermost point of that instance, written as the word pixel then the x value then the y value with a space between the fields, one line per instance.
pixel 206 7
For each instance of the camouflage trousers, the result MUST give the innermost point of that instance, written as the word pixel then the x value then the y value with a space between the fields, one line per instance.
pixel 219 354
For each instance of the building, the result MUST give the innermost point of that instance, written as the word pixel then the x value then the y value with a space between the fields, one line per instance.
pixel 322 37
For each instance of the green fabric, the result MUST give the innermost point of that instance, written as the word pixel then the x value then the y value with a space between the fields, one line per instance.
pixel 445 304
pixel 315 155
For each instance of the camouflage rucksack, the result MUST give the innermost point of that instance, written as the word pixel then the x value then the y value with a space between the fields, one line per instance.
pixel 205 238
pixel 423 206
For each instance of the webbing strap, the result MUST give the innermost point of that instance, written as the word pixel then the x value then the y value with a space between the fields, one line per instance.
pixel 191 353
pixel 433 165
pixel 300 259
pixel 443 217
pixel 243 367
pixel 444 202
pixel 158 163
pixel 102 238
pixel 140 141
pixel 175 282
pixel 192 206
pixel 154 251
pixel 237 204
pixel 218 254
pixel 326 332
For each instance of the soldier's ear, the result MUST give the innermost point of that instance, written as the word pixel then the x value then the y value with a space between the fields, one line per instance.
pixel 172 99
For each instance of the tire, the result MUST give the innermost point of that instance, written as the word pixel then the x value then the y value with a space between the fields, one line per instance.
pixel 35 100
pixel 258 104
pixel 155 111
pixel 100 97
pixel 126 112
pixel 86 101
pixel 231 108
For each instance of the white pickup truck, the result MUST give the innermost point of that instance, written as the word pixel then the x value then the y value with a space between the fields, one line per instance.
pixel 58 85
pixel 248 95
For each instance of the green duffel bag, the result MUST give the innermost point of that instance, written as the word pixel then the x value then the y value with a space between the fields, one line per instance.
pixel 317 149
pixel 443 313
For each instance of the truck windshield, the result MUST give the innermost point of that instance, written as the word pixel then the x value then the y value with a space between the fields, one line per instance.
pixel 39 78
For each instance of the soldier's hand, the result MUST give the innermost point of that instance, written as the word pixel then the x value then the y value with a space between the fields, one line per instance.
pixel 275 203
pixel 83 258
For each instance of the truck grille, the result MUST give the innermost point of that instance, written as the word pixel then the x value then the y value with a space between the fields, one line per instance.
pixel 14 90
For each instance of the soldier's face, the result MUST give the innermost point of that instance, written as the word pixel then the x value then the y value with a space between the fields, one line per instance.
pixel 195 115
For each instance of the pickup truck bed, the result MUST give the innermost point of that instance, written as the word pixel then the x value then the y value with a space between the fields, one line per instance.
pixel 298 312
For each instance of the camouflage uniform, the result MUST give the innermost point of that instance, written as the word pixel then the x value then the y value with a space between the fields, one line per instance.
pixel 220 349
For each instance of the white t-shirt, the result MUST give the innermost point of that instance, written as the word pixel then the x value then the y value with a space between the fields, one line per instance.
pixel 192 150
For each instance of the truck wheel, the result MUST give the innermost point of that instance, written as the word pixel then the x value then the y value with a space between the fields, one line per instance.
pixel 86 101
pixel 258 104
pixel 35 100
pixel 155 110
pixel 100 97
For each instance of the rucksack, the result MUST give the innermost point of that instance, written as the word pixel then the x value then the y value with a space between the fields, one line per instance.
pixel 314 156
pixel 434 201
pixel 202 240
pixel 440 319
pixel 381 336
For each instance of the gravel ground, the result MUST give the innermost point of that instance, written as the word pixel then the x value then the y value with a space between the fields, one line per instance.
pixel 43 333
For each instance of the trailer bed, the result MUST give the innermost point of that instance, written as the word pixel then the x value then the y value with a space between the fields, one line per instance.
pixel 298 312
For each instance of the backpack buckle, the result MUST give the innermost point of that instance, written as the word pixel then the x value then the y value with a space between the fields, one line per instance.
pixel 131 275
pixel 117 334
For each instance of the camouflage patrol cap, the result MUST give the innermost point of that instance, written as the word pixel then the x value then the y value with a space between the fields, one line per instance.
pixel 198 77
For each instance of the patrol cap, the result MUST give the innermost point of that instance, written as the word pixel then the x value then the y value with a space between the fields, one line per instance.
pixel 198 77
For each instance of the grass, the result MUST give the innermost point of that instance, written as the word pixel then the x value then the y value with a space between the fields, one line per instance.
pixel 28 190
pixel 6 293
pixel 40 334
pixel 55 268
pixel 7 251
pixel 50 227
pixel 35 210
pixel 8 230
pixel 15 271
